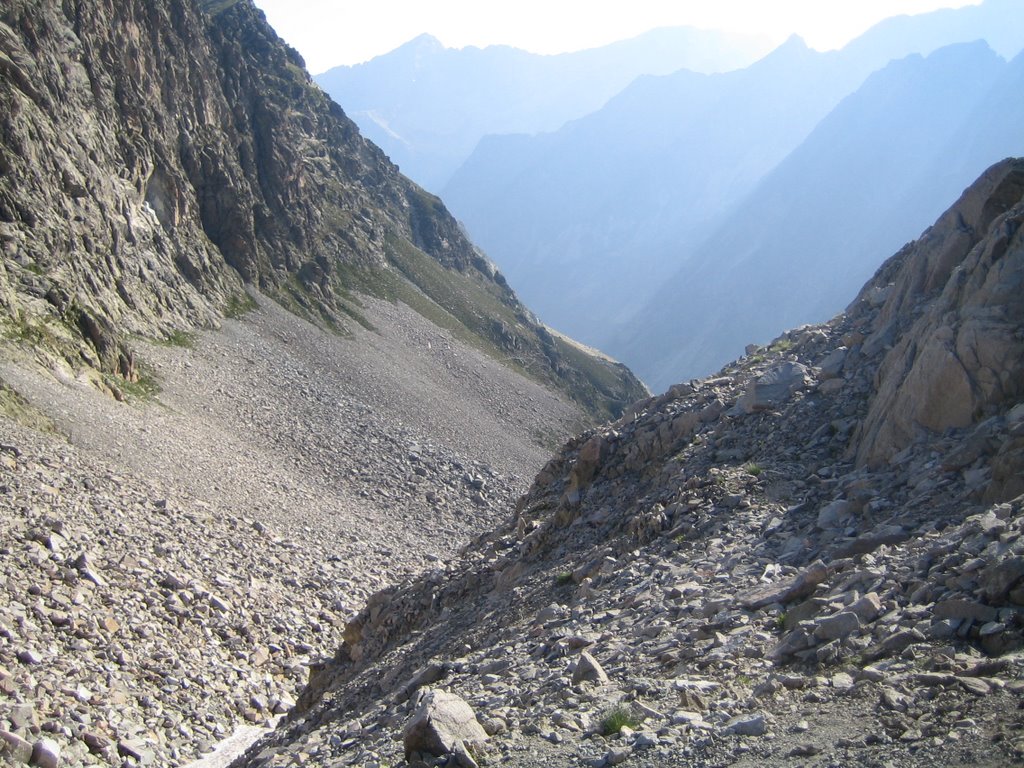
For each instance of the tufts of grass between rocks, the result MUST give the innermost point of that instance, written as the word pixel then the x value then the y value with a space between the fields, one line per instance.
pixel 616 718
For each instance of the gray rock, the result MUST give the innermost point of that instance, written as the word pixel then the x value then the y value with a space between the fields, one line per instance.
pixel 441 721
pixel 617 755
pixel 964 609
pixel 774 387
pixel 866 608
pixel 14 748
pixel 23 716
pixel 588 669
pixel 1000 578
pixel 786 591
pixel 837 626
pixel 746 725
pixel 833 363
pixel 462 756
pixel 835 514
pixel 46 754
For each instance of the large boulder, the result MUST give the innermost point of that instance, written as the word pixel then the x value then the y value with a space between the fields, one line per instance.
pixel 774 387
pixel 441 721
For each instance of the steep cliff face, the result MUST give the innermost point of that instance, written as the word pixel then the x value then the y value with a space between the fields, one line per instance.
pixel 953 316
pixel 157 158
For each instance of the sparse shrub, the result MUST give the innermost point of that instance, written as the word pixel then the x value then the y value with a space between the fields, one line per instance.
pixel 618 717
pixel 563 578
pixel 183 339
pixel 754 469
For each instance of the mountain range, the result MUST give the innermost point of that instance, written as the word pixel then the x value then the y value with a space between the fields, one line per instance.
pixel 870 176
pixel 428 106
pixel 587 221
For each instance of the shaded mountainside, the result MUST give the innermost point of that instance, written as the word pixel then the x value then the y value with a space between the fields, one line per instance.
pixel 821 545
pixel 158 158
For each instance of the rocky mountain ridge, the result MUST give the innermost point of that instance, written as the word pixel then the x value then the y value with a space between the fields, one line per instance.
pixel 811 557
pixel 159 158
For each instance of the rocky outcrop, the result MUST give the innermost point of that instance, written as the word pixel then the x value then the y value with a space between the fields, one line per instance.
pixel 726 555
pixel 159 158
pixel 953 316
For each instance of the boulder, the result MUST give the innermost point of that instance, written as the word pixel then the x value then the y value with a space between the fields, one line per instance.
pixel 774 387
pixel 46 754
pixel 834 514
pixel 588 670
pixel 14 749
pixel 441 721
pixel 747 725
pixel 786 591
pixel 837 627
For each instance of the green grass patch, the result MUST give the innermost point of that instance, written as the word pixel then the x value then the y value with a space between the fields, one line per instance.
pixel 293 296
pixel 754 469
pixel 239 305
pixel 618 717
pixel 781 345
pixel 183 339
pixel 144 388
pixel 21 411
pixel 31 332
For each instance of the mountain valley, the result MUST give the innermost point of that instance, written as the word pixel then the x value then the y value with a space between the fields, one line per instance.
pixel 290 475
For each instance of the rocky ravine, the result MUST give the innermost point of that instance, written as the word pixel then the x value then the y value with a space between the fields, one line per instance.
pixel 815 557
pixel 174 566
pixel 271 376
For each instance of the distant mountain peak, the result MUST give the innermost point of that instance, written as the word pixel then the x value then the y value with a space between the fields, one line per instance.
pixel 421 45
pixel 794 45
pixel 426 41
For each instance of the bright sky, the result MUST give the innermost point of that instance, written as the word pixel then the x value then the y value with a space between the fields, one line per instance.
pixel 332 32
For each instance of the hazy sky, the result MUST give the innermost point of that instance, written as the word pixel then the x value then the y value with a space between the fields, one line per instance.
pixel 332 32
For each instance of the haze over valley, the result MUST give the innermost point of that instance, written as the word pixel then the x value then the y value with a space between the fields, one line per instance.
pixel 589 217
